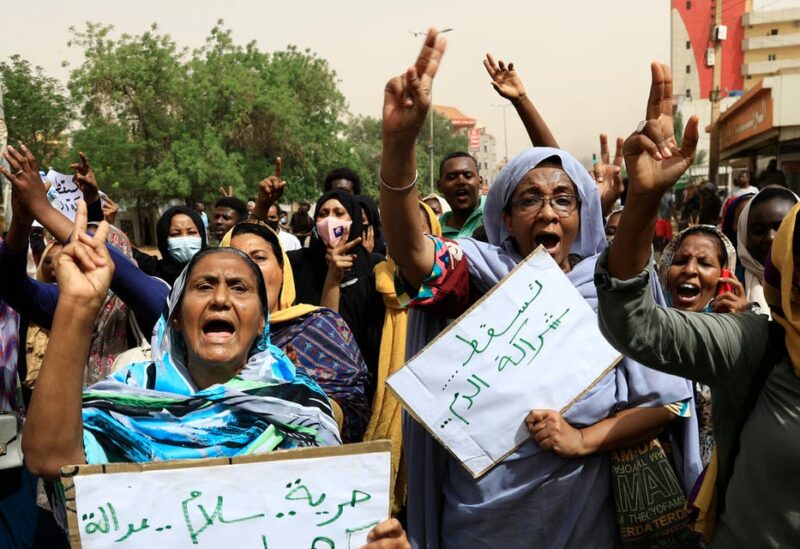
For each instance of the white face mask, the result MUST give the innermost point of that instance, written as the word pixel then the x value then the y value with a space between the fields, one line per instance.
pixel 183 248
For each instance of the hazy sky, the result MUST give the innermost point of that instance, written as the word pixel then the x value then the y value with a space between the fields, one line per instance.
pixel 584 62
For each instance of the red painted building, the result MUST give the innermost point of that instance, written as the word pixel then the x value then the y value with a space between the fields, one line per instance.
pixel 692 27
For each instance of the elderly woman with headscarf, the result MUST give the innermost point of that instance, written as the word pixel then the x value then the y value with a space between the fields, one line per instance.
pixel 216 387
pixel 556 490
pixel 751 363
pixel 758 224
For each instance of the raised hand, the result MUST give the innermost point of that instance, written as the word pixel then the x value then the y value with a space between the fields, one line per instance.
pixel 652 157
pixel 407 97
pixel 734 301
pixel 85 179
pixel 24 178
pixel 608 174
pixel 84 267
pixel 389 534
pixel 505 80
pixel 339 258
pixel 110 209
pixel 270 189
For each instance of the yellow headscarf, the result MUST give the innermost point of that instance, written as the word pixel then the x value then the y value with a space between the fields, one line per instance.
pixel 778 291
pixel 386 421
pixel 287 310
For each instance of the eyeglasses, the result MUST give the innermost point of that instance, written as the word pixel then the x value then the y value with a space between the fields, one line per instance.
pixel 562 204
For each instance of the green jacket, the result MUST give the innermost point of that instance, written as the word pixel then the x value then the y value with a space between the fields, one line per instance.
pixel 755 398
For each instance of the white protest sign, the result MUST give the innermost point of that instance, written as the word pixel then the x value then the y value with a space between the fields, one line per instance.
pixel 64 193
pixel 530 343
pixel 313 497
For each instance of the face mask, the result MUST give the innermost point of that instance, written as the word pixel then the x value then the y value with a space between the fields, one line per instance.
pixel 272 224
pixel 284 220
pixel 331 229
pixel 183 248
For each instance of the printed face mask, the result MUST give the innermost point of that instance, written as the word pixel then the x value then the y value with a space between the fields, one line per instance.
pixel 183 248
pixel 331 229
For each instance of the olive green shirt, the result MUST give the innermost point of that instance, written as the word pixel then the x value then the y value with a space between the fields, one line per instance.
pixel 759 452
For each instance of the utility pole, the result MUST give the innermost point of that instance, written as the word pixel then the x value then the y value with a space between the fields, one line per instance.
pixel 713 156
pixel 431 111
pixel 505 129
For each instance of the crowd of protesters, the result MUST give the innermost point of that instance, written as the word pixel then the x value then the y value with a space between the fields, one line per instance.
pixel 316 309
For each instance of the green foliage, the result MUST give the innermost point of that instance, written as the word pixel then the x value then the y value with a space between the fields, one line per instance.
pixel 364 135
pixel 37 109
pixel 215 117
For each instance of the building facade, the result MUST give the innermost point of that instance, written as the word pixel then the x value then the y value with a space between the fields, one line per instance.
pixel 771 44
pixel 482 144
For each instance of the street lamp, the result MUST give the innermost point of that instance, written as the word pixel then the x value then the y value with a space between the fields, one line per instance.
pixel 505 129
pixel 430 138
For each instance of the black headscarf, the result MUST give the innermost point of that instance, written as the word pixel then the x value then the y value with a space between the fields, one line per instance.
pixel 360 304
pixel 370 209
pixel 168 268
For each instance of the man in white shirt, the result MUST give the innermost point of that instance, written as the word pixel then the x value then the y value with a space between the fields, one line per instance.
pixel 288 241
pixel 741 185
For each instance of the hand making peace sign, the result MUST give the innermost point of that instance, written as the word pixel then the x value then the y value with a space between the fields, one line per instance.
pixel 84 267
pixel 607 174
pixel 407 98
pixel 652 157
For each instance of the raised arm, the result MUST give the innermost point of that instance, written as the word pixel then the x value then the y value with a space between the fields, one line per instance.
pixel 53 433
pixel 406 101
pixel 608 175
pixel 270 190
pixel 654 163
pixel 508 84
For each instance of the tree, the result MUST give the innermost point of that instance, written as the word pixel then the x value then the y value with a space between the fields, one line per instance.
pixel 365 138
pixel 170 123
pixel 37 109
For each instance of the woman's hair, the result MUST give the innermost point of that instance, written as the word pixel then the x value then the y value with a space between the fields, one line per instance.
pixel 262 231
pixel 722 253
pixel 261 287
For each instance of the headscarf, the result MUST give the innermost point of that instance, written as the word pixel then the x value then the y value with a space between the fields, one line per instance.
pixel 669 253
pixel 154 411
pixel 386 421
pixel 370 209
pixel 9 346
pixel 779 291
pixel 287 310
pixel 168 267
pixel 728 218
pixel 753 269
pixel 442 202
pixel 489 265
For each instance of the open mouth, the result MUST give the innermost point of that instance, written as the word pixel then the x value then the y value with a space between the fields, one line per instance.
pixel 687 293
pixel 462 193
pixel 218 328
pixel 549 241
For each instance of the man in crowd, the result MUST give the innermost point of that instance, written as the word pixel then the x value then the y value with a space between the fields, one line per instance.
pixel 344 179
pixel 289 242
pixel 228 211
pixel 302 223
pixel 460 185
pixel 200 207
pixel 741 185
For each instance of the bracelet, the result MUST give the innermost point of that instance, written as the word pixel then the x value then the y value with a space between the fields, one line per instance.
pixel 400 189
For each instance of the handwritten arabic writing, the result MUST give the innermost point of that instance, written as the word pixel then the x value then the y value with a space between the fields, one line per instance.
pixel 310 508
pixel 519 340
pixel 198 520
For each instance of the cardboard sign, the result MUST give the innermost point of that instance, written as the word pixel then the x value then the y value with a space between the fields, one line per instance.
pixel 64 193
pixel 532 342
pixel 311 497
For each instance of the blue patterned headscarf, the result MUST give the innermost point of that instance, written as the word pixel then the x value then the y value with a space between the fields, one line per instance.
pixel 152 411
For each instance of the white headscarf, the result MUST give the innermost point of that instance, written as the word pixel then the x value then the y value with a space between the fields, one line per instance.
pixel 753 269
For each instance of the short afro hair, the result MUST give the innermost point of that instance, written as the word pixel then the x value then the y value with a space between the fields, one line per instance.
pixel 343 173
